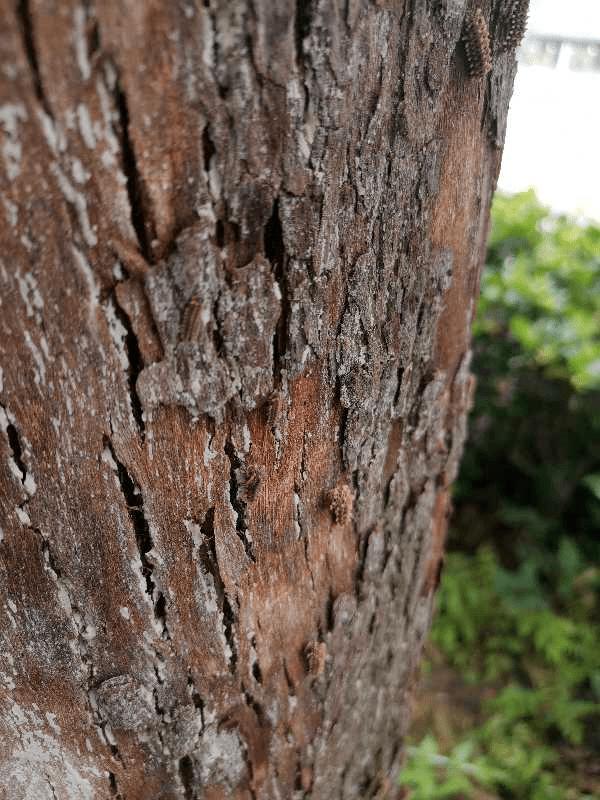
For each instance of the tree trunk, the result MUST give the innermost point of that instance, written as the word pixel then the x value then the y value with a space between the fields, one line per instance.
pixel 240 256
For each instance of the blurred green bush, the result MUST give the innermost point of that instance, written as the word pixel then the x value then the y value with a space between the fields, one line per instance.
pixel 542 284
pixel 519 604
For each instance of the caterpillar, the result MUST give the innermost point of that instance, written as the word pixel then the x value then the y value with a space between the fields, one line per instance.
pixel 476 39
pixel 340 501
pixel 511 24
pixel 193 321
pixel 315 654
pixel 249 481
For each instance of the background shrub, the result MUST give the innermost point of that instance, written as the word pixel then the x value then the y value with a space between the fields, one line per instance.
pixel 518 625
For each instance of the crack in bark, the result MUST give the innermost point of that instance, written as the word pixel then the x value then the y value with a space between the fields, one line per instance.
pixel 256 670
pixel 400 375
pixel 19 470
pixel 15 446
pixel 417 548
pixel 160 612
pixel 302 23
pixel 262 722
pixel 159 710
pixel 359 576
pixel 329 615
pixel 235 498
pixel 252 703
pixel 208 148
pixel 208 554
pixel 196 699
pixel 114 789
pixel 187 777
pixel 140 219
pixel 135 508
pixel 274 248
pixel 217 332
pixel 304 534
pixel 49 782
pixel 342 434
pixel 228 623
pixel 309 563
pixel 24 16
pixel 136 365
pixel 298 775
pixel 288 679
pixel 92 29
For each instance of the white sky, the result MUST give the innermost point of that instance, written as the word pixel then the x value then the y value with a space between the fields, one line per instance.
pixel 552 141
pixel 565 17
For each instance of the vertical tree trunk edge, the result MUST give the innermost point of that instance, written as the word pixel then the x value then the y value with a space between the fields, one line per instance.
pixel 240 258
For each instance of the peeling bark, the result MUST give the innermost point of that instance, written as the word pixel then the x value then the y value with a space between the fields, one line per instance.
pixel 240 258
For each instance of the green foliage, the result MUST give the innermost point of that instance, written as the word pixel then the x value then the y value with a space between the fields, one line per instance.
pixel 543 281
pixel 519 604
pixel 540 667
pixel 433 775
pixel 531 469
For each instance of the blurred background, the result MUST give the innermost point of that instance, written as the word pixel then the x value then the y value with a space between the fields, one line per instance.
pixel 509 703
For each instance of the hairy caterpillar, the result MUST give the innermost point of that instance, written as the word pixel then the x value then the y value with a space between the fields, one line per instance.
pixel 315 654
pixel 511 24
pixel 340 501
pixel 476 39
pixel 193 322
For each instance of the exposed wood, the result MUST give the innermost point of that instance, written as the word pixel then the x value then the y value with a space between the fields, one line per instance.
pixel 239 261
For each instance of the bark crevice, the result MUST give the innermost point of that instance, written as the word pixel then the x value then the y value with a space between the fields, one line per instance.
pixel 275 254
pixel 15 446
pixel 236 498
pixel 135 508
pixel 27 32
pixel 140 219
pixel 208 148
pixel 302 22
pixel 208 555
pixel 196 700
pixel 187 776
pixel 135 365
pixel 114 789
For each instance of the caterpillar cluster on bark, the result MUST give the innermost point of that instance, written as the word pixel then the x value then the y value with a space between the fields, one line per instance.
pixel 476 39
pixel 511 24
pixel 508 29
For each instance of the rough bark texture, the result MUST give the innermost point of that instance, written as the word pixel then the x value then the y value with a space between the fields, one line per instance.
pixel 239 260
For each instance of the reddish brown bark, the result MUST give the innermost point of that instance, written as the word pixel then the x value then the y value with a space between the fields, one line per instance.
pixel 240 255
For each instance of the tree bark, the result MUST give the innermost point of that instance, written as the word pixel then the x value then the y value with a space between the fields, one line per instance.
pixel 240 258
